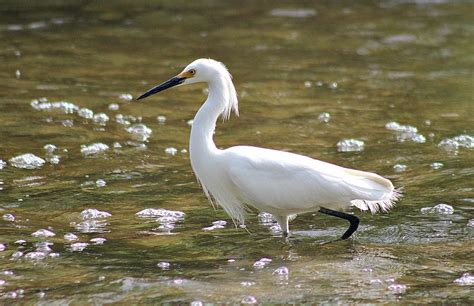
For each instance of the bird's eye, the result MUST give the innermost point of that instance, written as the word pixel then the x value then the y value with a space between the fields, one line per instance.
pixel 192 71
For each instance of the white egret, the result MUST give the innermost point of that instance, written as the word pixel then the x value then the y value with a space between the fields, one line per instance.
pixel 281 183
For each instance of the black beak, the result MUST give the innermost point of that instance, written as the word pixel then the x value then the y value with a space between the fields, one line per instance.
pixel 165 85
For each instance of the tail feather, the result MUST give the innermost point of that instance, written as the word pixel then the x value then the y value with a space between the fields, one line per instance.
pixel 371 191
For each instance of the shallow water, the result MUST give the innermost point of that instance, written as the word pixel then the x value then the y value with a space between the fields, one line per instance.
pixel 308 76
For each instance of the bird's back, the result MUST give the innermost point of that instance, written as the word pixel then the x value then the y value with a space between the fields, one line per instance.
pixel 280 181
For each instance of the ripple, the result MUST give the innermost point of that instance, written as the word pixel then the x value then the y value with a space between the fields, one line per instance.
pixel 93 149
pixel 27 161
pixel 249 299
pixel 161 119
pixel 442 209
pixel 350 145
pixel 397 288
pixel 293 13
pixel 436 166
pixel 281 271
pixel 90 226
pixel 139 132
pixel 126 97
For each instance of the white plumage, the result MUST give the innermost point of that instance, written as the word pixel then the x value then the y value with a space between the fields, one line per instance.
pixel 281 183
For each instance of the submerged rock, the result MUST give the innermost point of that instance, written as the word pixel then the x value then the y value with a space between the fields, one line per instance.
pixel 442 209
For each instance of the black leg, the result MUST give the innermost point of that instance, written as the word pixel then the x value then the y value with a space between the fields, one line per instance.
pixel 351 218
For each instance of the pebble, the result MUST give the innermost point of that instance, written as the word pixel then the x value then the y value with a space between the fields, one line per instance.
pixel 27 161
pixel 350 145
pixel 43 233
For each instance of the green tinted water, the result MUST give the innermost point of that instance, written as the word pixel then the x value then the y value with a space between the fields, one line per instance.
pixel 365 63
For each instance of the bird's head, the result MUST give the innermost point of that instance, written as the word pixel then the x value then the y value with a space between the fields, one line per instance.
pixel 200 71
pixel 203 71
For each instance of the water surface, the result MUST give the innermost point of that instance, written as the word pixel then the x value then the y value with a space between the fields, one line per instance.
pixel 366 64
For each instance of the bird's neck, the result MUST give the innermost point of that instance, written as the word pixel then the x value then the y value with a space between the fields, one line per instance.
pixel 201 142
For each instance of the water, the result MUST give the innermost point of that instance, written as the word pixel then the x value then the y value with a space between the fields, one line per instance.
pixel 364 63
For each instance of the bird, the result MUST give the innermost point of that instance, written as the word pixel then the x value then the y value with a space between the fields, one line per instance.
pixel 283 184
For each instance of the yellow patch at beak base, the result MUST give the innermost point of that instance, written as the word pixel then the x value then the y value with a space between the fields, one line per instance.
pixel 185 74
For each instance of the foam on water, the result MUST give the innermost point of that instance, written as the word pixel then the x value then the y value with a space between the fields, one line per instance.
pixel 350 145
pixel 100 183
pixel 61 106
pixel 78 246
pixel 93 149
pixel 139 132
pixel 436 166
pixel 160 212
pixel 171 151
pixel 93 213
pixel 2 247
pixel 405 132
pixel 2 164
pixel 49 148
pixel 114 107
pixel 8 217
pixel 90 226
pixel 249 299
pixel 126 97
pixel 98 240
pixel 161 119
pixel 324 117
pixel 219 224
pixel 27 161
pixel 261 263
pixel 43 233
pixel 163 265
pixel 465 280
pixel 442 209
pixel 70 237
pixel 400 168
pixel 461 141
pixel 86 113
pixel 100 118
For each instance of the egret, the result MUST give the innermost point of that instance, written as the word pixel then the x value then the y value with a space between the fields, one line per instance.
pixel 281 183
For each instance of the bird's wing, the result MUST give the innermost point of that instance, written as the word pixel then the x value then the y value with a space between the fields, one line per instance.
pixel 270 179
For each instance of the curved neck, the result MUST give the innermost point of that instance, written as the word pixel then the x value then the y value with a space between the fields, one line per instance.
pixel 202 130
